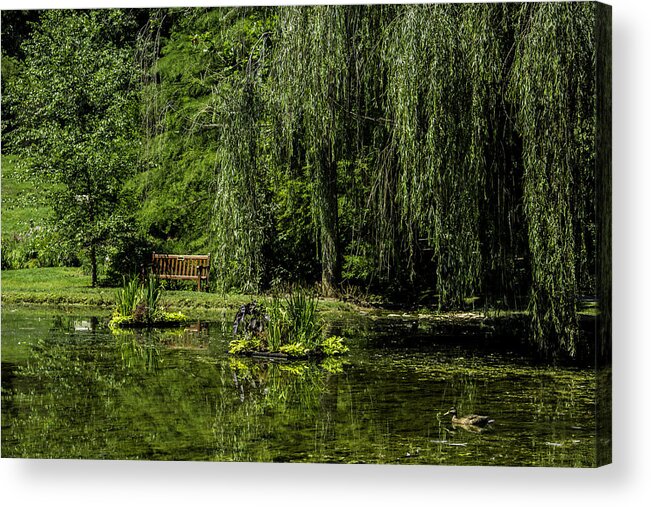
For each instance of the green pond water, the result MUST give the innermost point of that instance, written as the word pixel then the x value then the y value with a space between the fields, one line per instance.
pixel 73 389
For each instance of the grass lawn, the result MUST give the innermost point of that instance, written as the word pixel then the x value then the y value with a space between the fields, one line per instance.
pixel 52 286
pixel 70 286
pixel 46 280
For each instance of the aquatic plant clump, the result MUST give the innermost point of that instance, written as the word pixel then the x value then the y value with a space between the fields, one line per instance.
pixel 138 305
pixel 286 326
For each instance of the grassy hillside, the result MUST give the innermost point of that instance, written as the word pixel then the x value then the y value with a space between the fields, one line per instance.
pixel 27 233
pixel 22 200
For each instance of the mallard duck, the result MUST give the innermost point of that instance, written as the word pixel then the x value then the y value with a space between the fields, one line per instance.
pixel 469 420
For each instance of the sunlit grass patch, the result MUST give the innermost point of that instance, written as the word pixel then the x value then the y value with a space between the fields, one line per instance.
pixel 22 200
pixel 45 279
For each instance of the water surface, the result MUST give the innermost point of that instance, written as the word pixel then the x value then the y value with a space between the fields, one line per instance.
pixel 73 389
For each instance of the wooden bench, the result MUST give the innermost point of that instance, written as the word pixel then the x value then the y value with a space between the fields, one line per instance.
pixel 181 267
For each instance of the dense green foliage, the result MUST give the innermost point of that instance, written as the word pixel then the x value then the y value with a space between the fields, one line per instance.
pixel 429 153
pixel 29 239
pixel 555 92
pixel 75 107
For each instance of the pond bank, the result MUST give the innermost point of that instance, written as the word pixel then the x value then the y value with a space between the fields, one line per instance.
pixel 69 287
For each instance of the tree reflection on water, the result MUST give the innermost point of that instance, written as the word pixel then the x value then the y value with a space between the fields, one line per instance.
pixel 178 395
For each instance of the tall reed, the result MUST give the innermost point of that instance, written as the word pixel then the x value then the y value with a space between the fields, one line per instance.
pixel 277 325
pixel 128 297
pixel 139 301
pixel 151 296
pixel 303 323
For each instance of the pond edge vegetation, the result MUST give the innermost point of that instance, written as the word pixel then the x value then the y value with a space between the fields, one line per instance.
pixel 138 304
pixel 286 326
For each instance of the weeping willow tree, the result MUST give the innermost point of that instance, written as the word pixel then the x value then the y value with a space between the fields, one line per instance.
pixel 442 64
pixel 311 84
pixel 447 148
pixel 240 223
pixel 240 220
pixel 478 122
pixel 552 84
pixel 148 48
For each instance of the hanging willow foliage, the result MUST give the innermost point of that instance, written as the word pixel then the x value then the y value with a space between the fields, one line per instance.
pixel 449 147
pixel 240 225
pixel 240 219
pixel 552 83
pixel 478 121
pixel 455 174
pixel 443 67
pixel 311 88
pixel 147 54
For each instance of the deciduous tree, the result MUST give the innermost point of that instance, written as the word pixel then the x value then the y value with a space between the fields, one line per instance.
pixel 77 111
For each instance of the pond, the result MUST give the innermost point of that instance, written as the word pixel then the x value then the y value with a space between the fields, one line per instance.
pixel 71 388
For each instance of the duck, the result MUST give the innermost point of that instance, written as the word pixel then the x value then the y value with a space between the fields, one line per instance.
pixel 478 421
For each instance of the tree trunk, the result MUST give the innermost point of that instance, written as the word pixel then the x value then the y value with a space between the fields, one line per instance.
pixel 93 265
pixel 329 211
pixel 330 270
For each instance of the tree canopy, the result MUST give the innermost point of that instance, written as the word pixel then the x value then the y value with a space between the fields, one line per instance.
pixel 75 103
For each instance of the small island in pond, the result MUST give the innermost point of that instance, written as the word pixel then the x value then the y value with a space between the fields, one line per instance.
pixel 285 328
pixel 138 305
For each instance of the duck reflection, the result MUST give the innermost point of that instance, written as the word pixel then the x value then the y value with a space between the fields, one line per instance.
pixel 471 423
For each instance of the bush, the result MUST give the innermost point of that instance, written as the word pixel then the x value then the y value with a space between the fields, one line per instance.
pixel 245 346
pixel 333 346
pixel 295 350
pixel 38 247
pixel 127 254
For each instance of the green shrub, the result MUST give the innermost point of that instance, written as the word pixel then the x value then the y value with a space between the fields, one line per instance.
pixel 126 254
pixel 37 247
pixel 295 349
pixel 119 321
pixel 171 317
pixel 245 346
